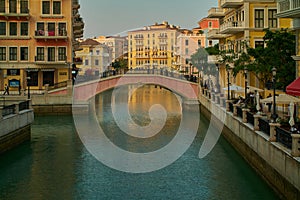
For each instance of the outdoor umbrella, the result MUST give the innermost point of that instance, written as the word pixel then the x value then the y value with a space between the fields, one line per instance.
pixel 257 102
pixel 291 108
pixel 234 88
pixel 281 99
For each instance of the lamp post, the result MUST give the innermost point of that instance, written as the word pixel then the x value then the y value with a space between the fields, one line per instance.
pixel 274 114
pixel 28 84
pixel 228 82
pixel 218 79
pixel 246 81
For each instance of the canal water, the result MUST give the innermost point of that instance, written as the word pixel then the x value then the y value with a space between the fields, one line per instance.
pixel 56 165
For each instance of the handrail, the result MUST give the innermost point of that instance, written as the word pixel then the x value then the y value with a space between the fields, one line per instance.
pixel 250 117
pixel 284 137
pixel 264 125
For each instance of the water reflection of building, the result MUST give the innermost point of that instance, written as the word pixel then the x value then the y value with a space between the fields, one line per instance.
pixel 38 39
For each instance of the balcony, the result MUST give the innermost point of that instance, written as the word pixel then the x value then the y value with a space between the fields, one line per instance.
pixel 216 13
pixel 231 3
pixel 23 13
pixel 232 27
pixel 288 8
pixel 138 37
pixel 50 60
pixel 51 35
pixel 163 36
pixel 215 34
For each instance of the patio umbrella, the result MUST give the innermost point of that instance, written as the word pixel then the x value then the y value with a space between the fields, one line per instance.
pixel 234 88
pixel 291 108
pixel 254 89
pixel 281 99
pixel 257 102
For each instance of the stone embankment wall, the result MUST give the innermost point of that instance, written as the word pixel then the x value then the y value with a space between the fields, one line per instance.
pixel 271 160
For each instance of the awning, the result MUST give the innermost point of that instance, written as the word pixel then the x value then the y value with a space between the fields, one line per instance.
pixel 294 88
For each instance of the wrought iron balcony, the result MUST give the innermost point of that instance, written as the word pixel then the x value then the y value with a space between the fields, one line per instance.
pixel 59 34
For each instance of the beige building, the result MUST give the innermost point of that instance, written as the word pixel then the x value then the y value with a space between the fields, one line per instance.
pixel 117 44
pixel 153 46
pixel 188 43
pixel 95 57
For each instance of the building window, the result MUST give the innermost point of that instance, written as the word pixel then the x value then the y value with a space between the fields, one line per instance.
pixel 13 6
pixel 62 30
pixel 51 53
pixel 96 62
pixel 97 52
pixel 24 53
pixel 56 7
pixel 260 44
pixel 46 7
pixel 209 24
pixel 51 29
pixel 13 28
pixel 186 42
pixel 24 28
pixel 62 53
pixel 2 28
pixel 13 53
pixel 48 78
pixel 186 51
pixel 40 54
pixel 259 18
pixel 272 19
pixel 86 62
pixel 2 6
pixel 24 6
pixel 2 53
pixel 40 26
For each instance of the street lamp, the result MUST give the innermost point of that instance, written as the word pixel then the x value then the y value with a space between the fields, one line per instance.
pixel 218 79
pixel 274 114
pixel 228 81
pixel 28 84
pixel 246 81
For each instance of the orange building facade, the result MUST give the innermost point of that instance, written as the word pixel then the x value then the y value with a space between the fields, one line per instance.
pixel 37 42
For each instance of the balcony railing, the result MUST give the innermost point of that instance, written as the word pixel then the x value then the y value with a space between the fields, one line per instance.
pixel 264 126
pixel 231 3
pixel 239 112
pixel 232 27
pixel 250 118
pixel 60 34
pixel 288 8
pixel 216 12
pixel 51 59
pixel 284 137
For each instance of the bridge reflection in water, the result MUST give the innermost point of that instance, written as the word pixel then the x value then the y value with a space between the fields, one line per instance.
pixel 55 164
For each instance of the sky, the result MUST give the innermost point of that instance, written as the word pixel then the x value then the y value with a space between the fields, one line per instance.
pixel 116 17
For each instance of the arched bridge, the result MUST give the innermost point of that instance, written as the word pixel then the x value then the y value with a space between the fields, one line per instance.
pixel 84 91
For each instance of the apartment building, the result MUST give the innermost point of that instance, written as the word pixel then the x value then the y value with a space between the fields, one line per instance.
pixel 96 57
pixel 242 22
pixel 117 44
pixel 36 41
pixel 206 24
pixel 153 46
pixel 188 42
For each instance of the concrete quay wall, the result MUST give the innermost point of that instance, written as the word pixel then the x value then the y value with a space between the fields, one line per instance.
pixel 271 160
pixel 15 129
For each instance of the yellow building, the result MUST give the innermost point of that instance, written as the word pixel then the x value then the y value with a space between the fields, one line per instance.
pixel 96 57
pixel 153 46
pixel 242 22
pixel 291 9
pixel 37 40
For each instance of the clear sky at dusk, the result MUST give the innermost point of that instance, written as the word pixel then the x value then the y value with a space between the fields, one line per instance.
pixel 112 17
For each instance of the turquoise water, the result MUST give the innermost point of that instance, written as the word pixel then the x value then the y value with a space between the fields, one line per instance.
pixel 56 165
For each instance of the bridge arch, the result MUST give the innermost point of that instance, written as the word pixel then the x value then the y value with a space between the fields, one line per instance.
pixel 188 90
